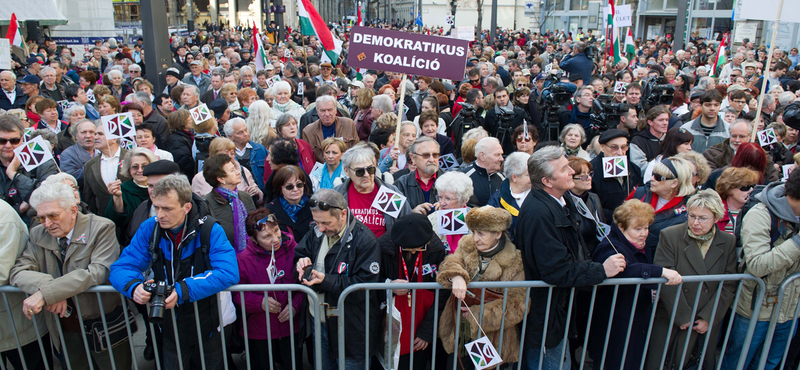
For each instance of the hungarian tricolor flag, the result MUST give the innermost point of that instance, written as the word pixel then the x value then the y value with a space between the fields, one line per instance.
pixel 630 48
pixel 259 54
pixel 720 60
pixel 360 21
pixel 612 42
pixel 312 24
pixel 13 34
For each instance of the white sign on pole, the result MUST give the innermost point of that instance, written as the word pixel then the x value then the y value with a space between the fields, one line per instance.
pixel 767 10
pixel 745 30
pixel 623 16
pixel 465 33
pixel 5 54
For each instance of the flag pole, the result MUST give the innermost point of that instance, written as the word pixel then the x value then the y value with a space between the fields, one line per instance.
pixel 766 68
pixel 400 112
pixel 303 39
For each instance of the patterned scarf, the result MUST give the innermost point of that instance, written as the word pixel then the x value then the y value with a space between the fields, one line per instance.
pixel 293 209
pixel 239 215
pixel 569 151
pixel 289 105
pixel 703 241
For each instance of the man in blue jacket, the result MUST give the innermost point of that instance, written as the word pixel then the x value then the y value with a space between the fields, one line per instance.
pixel 578 63
pixel 207 265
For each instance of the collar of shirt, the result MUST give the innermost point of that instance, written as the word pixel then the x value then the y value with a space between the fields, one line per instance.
pixel 197 79
pixel 116 155
pixel 334 239
pixel 55 130
pixel 560 201
pixel 425 187
pixel 240 153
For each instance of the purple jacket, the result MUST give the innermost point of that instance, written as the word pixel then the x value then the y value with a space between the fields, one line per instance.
pixel 253 262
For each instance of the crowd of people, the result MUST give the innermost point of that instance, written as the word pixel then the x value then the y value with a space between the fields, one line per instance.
pixel 278 186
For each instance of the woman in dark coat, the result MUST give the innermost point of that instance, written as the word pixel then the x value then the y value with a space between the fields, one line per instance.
pixel 422 254
pixel 225 203
pixel 583 186
pixel 627 237
pixel 180 140
pixel 429 123
pixel 696 247
pixel 290 206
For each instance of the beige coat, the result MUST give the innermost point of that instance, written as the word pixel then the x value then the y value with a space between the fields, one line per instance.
pixel 505 266
pixel 92 249
pixel 15 238
pixel 773 265
pixel 345 129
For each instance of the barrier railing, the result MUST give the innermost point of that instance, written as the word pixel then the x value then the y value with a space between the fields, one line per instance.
pixel 773 323
pixel 610 287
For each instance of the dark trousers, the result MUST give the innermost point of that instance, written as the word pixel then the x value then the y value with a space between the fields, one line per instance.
pixel 212 353
pixel 32 355
pixel 281 353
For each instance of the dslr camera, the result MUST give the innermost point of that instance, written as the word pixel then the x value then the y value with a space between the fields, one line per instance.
pixel 657 91
pixel 159 291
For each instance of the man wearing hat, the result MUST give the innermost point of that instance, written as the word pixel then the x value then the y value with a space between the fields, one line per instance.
pixel 325 70
pixel 613 190
pixel 412 253
pixel 694 104
pixel 221 112
pixel 32 66
pixel 173 78
pixel 197 77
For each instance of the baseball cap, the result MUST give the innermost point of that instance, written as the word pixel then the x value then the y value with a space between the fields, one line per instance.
pixel 32 59
pixel 30 79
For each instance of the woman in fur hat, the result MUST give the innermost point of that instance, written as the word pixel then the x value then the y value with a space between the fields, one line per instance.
pixel 487 254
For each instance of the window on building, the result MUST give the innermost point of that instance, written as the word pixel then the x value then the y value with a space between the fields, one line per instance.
pixel 126 11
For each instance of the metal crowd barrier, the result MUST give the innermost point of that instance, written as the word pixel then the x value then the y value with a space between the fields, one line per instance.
pixel 791 280
pixel 374 288
pixel 5 291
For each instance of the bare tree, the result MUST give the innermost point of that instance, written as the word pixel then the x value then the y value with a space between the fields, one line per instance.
pixel 479 29
pixel 551 6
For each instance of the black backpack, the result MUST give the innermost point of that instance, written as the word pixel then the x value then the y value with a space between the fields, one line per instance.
pixel 774 228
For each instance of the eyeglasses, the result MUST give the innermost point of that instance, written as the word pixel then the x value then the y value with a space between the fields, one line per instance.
pixel 616 148
pixel 440 198
pixel 299 186
pixel 702 219
pixel 428 155
pixel 322 206
pixel 262 223
pixel 13 141
pixel 522 138
pixel 585 177
pixel 137 167
pixel 659 177
pixel 361 171
pixel 746 188
pixel 53 217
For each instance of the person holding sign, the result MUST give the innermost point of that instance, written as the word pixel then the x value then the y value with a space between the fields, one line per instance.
pixel 485 255
pixel 627 237
pixel 667 193
pixel 362 187
pixel 553 251
pixel 268 260
pixel 613 190
pixel 126 196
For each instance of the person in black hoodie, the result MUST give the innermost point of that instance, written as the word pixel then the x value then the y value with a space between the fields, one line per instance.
pixel 422 254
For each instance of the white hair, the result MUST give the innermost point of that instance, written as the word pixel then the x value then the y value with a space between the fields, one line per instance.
pixel 382 102
pixel 483 144
pixel 258 120
pixel 228 128
pixel 115 72
pixel 326 98
pixel 282 86
pixel 53 192
pixel 786 98
pixel 455 182
pixel 516 164
pixel 245 68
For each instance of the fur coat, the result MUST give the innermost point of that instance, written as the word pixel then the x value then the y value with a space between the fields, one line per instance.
pixel 505 266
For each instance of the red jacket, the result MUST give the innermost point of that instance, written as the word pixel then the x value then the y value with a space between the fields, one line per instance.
pixel 307 160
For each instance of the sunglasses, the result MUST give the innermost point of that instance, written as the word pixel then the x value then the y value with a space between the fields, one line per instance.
pixel 746 188
pixel 660 178
pixel 13 141
pixel 54 217
pixel 291 187
pixel 522 138
pixel 361 171
pixel 322 206
pixel 427 155
pixel 262 223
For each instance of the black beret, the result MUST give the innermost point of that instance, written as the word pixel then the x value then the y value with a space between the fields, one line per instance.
pixel 611 135
pixel 791 115
pixel 162 167
pixel 412 231
pixel 219 106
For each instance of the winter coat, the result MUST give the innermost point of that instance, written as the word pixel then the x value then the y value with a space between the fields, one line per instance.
pixel 222 210
pixel 677 251
pixel 701 142
pixel 611 192
pixel 408 185
pixel 355 258
pixel 15 241
pixel 363 119
pixel 505 266
pixel 644 147
pixel 637 265
pixel 483 184
pixel 298 228
pixel 19 100
pixel 92 249
pixel 253 263
pixel 720 156
pixel 95 190
pixel 772 264
pixel 180 145
pixel 552 251
pixel 503 199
